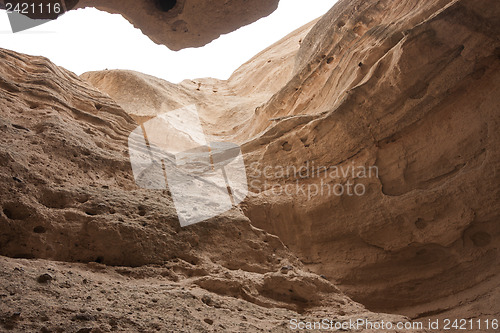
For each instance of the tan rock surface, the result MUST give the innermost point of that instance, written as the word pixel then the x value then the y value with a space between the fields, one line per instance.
pixel 68 195
pixel 98 298
pixel 410 87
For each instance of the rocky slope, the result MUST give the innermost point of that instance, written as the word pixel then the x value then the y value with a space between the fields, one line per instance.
pixel 409 87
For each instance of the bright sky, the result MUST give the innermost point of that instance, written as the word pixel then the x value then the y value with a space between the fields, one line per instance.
pixel 87 39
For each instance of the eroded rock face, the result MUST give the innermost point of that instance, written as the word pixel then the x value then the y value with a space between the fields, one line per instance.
pixel 68 195
pixel 410 87
pixel 178 24
pixel 413 91
pixel 186 23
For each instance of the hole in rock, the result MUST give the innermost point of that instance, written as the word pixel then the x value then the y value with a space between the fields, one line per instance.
pixel 421 252
pixel 39 229
pixel 99 260
pixel 166 5
pixel 20 127
pixel 16 211
pixel 54 199
pixel 286 146
pixel 33 105
pixel 481 239
pixel 8 213
pixel 420 224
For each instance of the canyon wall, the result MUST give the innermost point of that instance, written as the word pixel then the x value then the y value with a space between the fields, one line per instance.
pixel 412 88
pixel 84 249
pixel 407 87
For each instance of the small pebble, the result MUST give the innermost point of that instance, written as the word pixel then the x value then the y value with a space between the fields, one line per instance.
pixel 207 300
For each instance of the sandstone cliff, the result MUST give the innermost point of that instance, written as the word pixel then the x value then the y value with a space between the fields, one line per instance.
pixel 118 259
pixel 409 87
